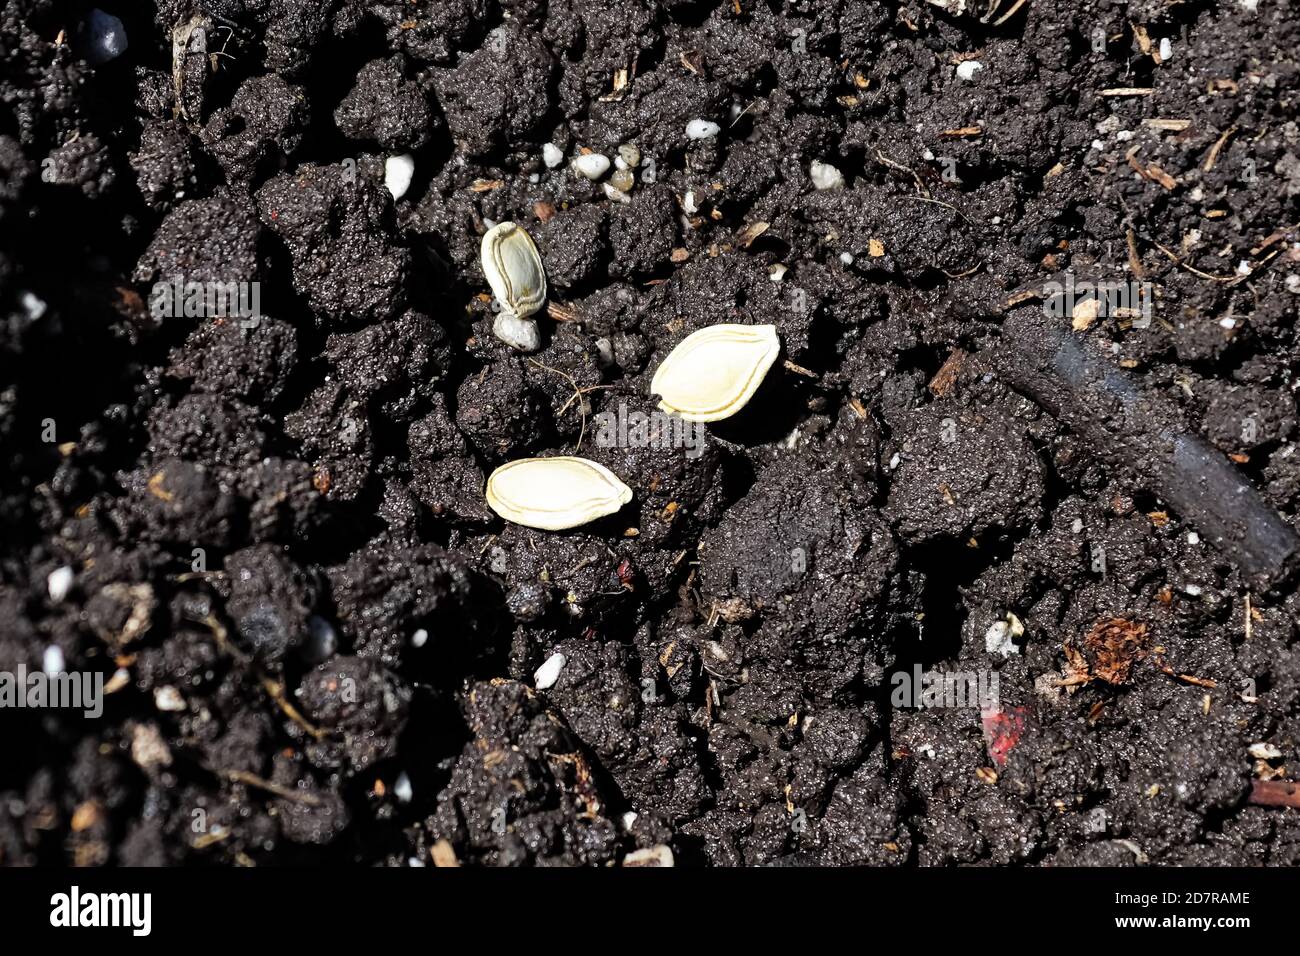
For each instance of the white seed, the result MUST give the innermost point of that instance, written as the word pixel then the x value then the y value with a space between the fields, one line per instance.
pixel 591 165
pixel 552 155
pixel 513 268
pixel 659 855
pixel 714 372
pixel 554 494
pixel 702 129
pixel 105 37
pixel 521 334
pixel 59 583
pixel 545 676
pixel 825 176
pixel 967 69
pixel 615 195
pixel 52 662
pixel 398 172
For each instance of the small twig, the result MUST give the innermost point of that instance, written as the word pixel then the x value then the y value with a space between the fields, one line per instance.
pixel 1213 156
pixel 273 688
pixel 284 793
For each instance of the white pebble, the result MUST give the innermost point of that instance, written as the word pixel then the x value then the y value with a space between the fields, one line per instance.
pixel 168 698
pixel 702 129
pixel 59 583
pixel 1228 323
pixel 549 672
pixel 402 788
pixel 1193 538
pixel 1293 283
pixel 420 638
pixel 629 818
pixel 398 172
pixel 614 194
pixel 591 165
pixel 1243 268
pixel 1264 751
pixel 825 176
pixel 1192 590
pixel 521 334
pixel 629 156
pixel 660 855
pixel 552 155
pixel 777 272
pixel 34 305
pixel 1250 6
pixel 105 35
pixel 689 203
pixel 52 662
pixel 967 69
pixel 846 258
pixel 1077 527
pixel 1166 50
pixel 999 639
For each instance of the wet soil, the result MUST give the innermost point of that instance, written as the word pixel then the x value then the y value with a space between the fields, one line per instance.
pixel 320 645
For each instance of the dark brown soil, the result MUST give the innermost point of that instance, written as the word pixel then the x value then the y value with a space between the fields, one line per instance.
pixel 321 643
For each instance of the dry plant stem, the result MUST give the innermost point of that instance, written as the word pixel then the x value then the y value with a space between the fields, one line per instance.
pixel 273 688
pixel 1134 429
pixel 284 793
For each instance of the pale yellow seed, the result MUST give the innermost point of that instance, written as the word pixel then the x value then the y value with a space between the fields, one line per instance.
pixel 513 268
pixel 553 494
pixel 714 372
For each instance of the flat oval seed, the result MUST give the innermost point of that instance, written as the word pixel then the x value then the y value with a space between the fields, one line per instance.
pixel 555 493
pixel 514 269
pixel 714 372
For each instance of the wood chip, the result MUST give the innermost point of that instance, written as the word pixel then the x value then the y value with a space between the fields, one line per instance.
pixel 745 238
pixel 1213 156
pixel 946 377
pixel 443 854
